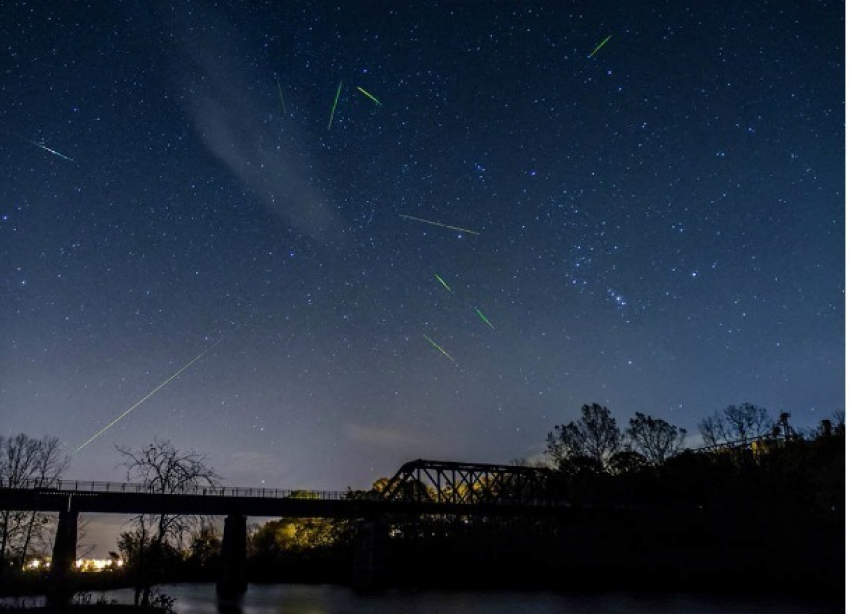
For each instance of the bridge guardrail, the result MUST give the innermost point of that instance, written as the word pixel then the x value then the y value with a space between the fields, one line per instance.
pixel 209 491
pixel 81 486
pixel 94 487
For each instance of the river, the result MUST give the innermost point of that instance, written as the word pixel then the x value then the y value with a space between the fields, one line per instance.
pixel 329 599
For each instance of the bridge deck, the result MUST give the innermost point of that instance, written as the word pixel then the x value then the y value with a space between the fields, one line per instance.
pixel 258 503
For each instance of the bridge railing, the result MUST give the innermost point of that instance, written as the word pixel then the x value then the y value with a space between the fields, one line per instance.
pixel 209 491
pixel 95 487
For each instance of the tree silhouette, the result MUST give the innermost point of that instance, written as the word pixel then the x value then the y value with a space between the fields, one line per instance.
pixel 26 462
pixel 595 435
pixel 655 439
pixel 738 424
pixel 162 469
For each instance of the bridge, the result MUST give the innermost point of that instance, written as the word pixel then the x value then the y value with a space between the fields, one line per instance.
pixel 418 487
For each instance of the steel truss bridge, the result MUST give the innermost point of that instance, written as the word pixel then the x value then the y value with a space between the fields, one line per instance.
pixel 418 487
pixel 440 482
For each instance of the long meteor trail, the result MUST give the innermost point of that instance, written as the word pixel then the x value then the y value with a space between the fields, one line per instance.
pixel 46 148
pixel 419 219
pixel 149 395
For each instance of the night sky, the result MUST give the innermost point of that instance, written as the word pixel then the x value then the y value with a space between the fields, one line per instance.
pixel 660 226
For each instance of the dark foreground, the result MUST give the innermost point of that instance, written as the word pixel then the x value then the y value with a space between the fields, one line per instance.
pixel 330 599
pixel 111 608
pixel 736 522
pixel 680 550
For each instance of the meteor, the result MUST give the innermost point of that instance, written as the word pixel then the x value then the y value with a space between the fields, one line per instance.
pixel 150 394
pixel 445 285
pixel 484 318
pixel 280 91
pixel 45 148
pixel 419 219
pixel 369 96
pixel 444 352
pixel 600 45
pixel 333 108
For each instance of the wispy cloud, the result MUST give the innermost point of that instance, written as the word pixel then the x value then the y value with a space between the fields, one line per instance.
pixel 233 123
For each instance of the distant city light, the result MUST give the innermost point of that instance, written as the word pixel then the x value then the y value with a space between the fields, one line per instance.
pixel 81 565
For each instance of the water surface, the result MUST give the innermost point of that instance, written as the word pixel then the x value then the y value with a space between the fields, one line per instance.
pixel 328 599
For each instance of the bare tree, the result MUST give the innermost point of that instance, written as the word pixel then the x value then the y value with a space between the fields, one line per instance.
pixel 595 435
pixel 162 469
pixel 747 421
pixel 84 549
pixel 26 462
pixel 656 439
pixel 712 431
pixel 737 424
pixel 838 421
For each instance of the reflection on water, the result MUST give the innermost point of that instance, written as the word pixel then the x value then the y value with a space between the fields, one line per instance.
pixel 21 602
pixel 326 599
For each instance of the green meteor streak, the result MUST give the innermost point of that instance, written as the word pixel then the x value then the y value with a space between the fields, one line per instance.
pixel 333 108
pixel 444 352
pixel 149 395
pixel 445 285
pixel 600 45
pixel 483 317
pixel 369 96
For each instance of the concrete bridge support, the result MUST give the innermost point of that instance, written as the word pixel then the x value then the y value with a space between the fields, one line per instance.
pixel 232 580
pixel 64 557
pixel 370 553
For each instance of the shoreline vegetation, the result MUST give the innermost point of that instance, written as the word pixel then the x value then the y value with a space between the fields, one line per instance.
pixel 765 516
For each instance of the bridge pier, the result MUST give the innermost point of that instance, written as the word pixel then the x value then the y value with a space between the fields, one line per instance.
pixel 369 555
pixel 232 580
pixel 64 557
